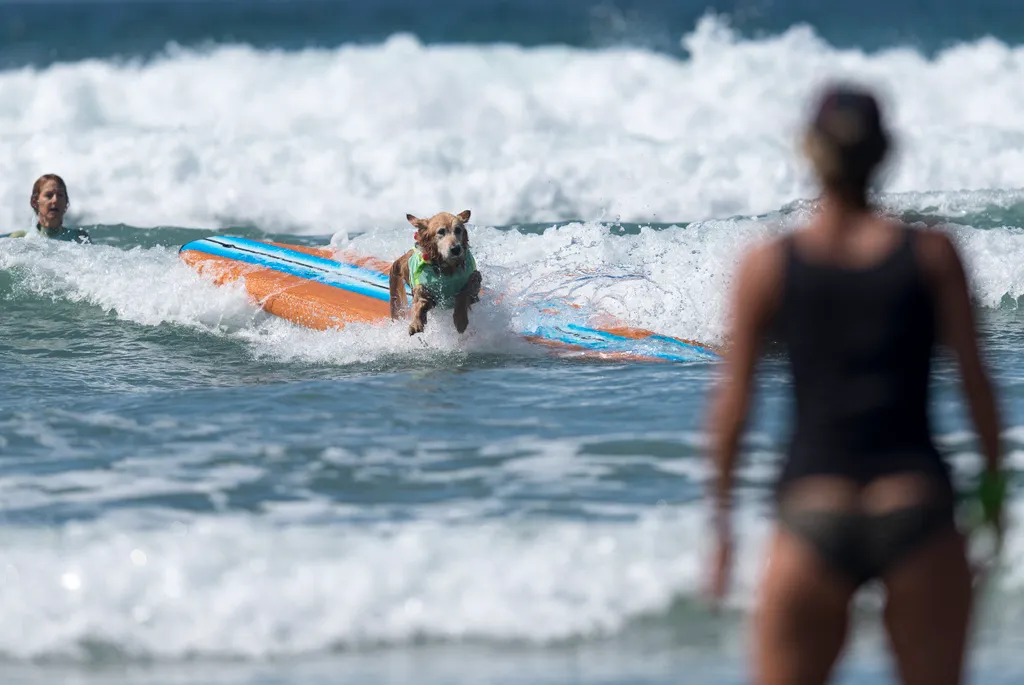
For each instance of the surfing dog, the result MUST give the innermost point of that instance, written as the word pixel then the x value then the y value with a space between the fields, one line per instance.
pixel 440 270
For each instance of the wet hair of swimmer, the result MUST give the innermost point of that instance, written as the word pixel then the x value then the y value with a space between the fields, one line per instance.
pixel 846 140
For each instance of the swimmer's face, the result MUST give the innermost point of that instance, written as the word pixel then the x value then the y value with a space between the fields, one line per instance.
pixel 51 204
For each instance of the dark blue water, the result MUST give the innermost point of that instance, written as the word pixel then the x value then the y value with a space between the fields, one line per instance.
pixel 62 30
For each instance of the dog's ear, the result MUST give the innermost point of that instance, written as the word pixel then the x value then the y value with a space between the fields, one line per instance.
pixel 463 216
pixel 430 252
pixel 420 224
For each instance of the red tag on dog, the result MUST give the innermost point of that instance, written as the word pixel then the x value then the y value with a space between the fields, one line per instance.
pixel 416 236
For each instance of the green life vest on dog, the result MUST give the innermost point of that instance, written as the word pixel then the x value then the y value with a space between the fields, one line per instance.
pixel 442 287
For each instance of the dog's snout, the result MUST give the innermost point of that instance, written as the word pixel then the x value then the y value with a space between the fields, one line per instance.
pixel 456 249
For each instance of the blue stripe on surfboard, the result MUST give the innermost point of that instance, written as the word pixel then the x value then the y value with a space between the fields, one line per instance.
pixel 345 270
pixel 326 275
pixel 291 269
pixel 374 284
pixel 656 337
pixel 359 272
pixel 592 339
pixel 572 331
pixel 693 347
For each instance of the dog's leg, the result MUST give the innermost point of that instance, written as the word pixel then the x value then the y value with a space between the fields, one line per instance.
pixel 422 303
pixel 469 294
pixel 472 287
pixel 397 279
pixel 461 314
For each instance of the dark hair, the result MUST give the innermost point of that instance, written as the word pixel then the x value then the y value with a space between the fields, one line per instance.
pixel 38 186
pixel 846 139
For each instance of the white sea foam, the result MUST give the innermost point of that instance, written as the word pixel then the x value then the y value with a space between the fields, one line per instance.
pixel 237 586
pixel 353 138
pixel 243 587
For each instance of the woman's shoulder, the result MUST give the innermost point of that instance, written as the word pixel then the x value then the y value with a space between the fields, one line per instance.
pixel 937 256
pixel 935 249
pixel 765 258
pixel 760 275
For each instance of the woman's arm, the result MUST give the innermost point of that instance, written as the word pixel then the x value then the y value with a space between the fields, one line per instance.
pixel 956 318
pixel 753 302
pixel 960 334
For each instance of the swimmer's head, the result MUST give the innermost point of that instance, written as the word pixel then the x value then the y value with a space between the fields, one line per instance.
pixel 50 200
pixel 846 140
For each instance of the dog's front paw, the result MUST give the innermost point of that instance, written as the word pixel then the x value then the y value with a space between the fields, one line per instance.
pixel 415 327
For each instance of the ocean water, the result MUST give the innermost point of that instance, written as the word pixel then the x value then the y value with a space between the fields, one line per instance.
pixel 194 491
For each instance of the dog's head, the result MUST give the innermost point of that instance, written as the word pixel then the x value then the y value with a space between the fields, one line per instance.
pixel 443 238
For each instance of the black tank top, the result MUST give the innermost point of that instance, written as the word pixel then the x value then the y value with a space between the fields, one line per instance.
pixel 860 344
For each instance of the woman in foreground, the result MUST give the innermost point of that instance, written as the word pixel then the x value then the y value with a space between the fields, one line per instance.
pixel 859 303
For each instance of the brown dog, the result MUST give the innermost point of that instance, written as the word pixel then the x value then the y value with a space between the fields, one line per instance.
pixel 440 270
